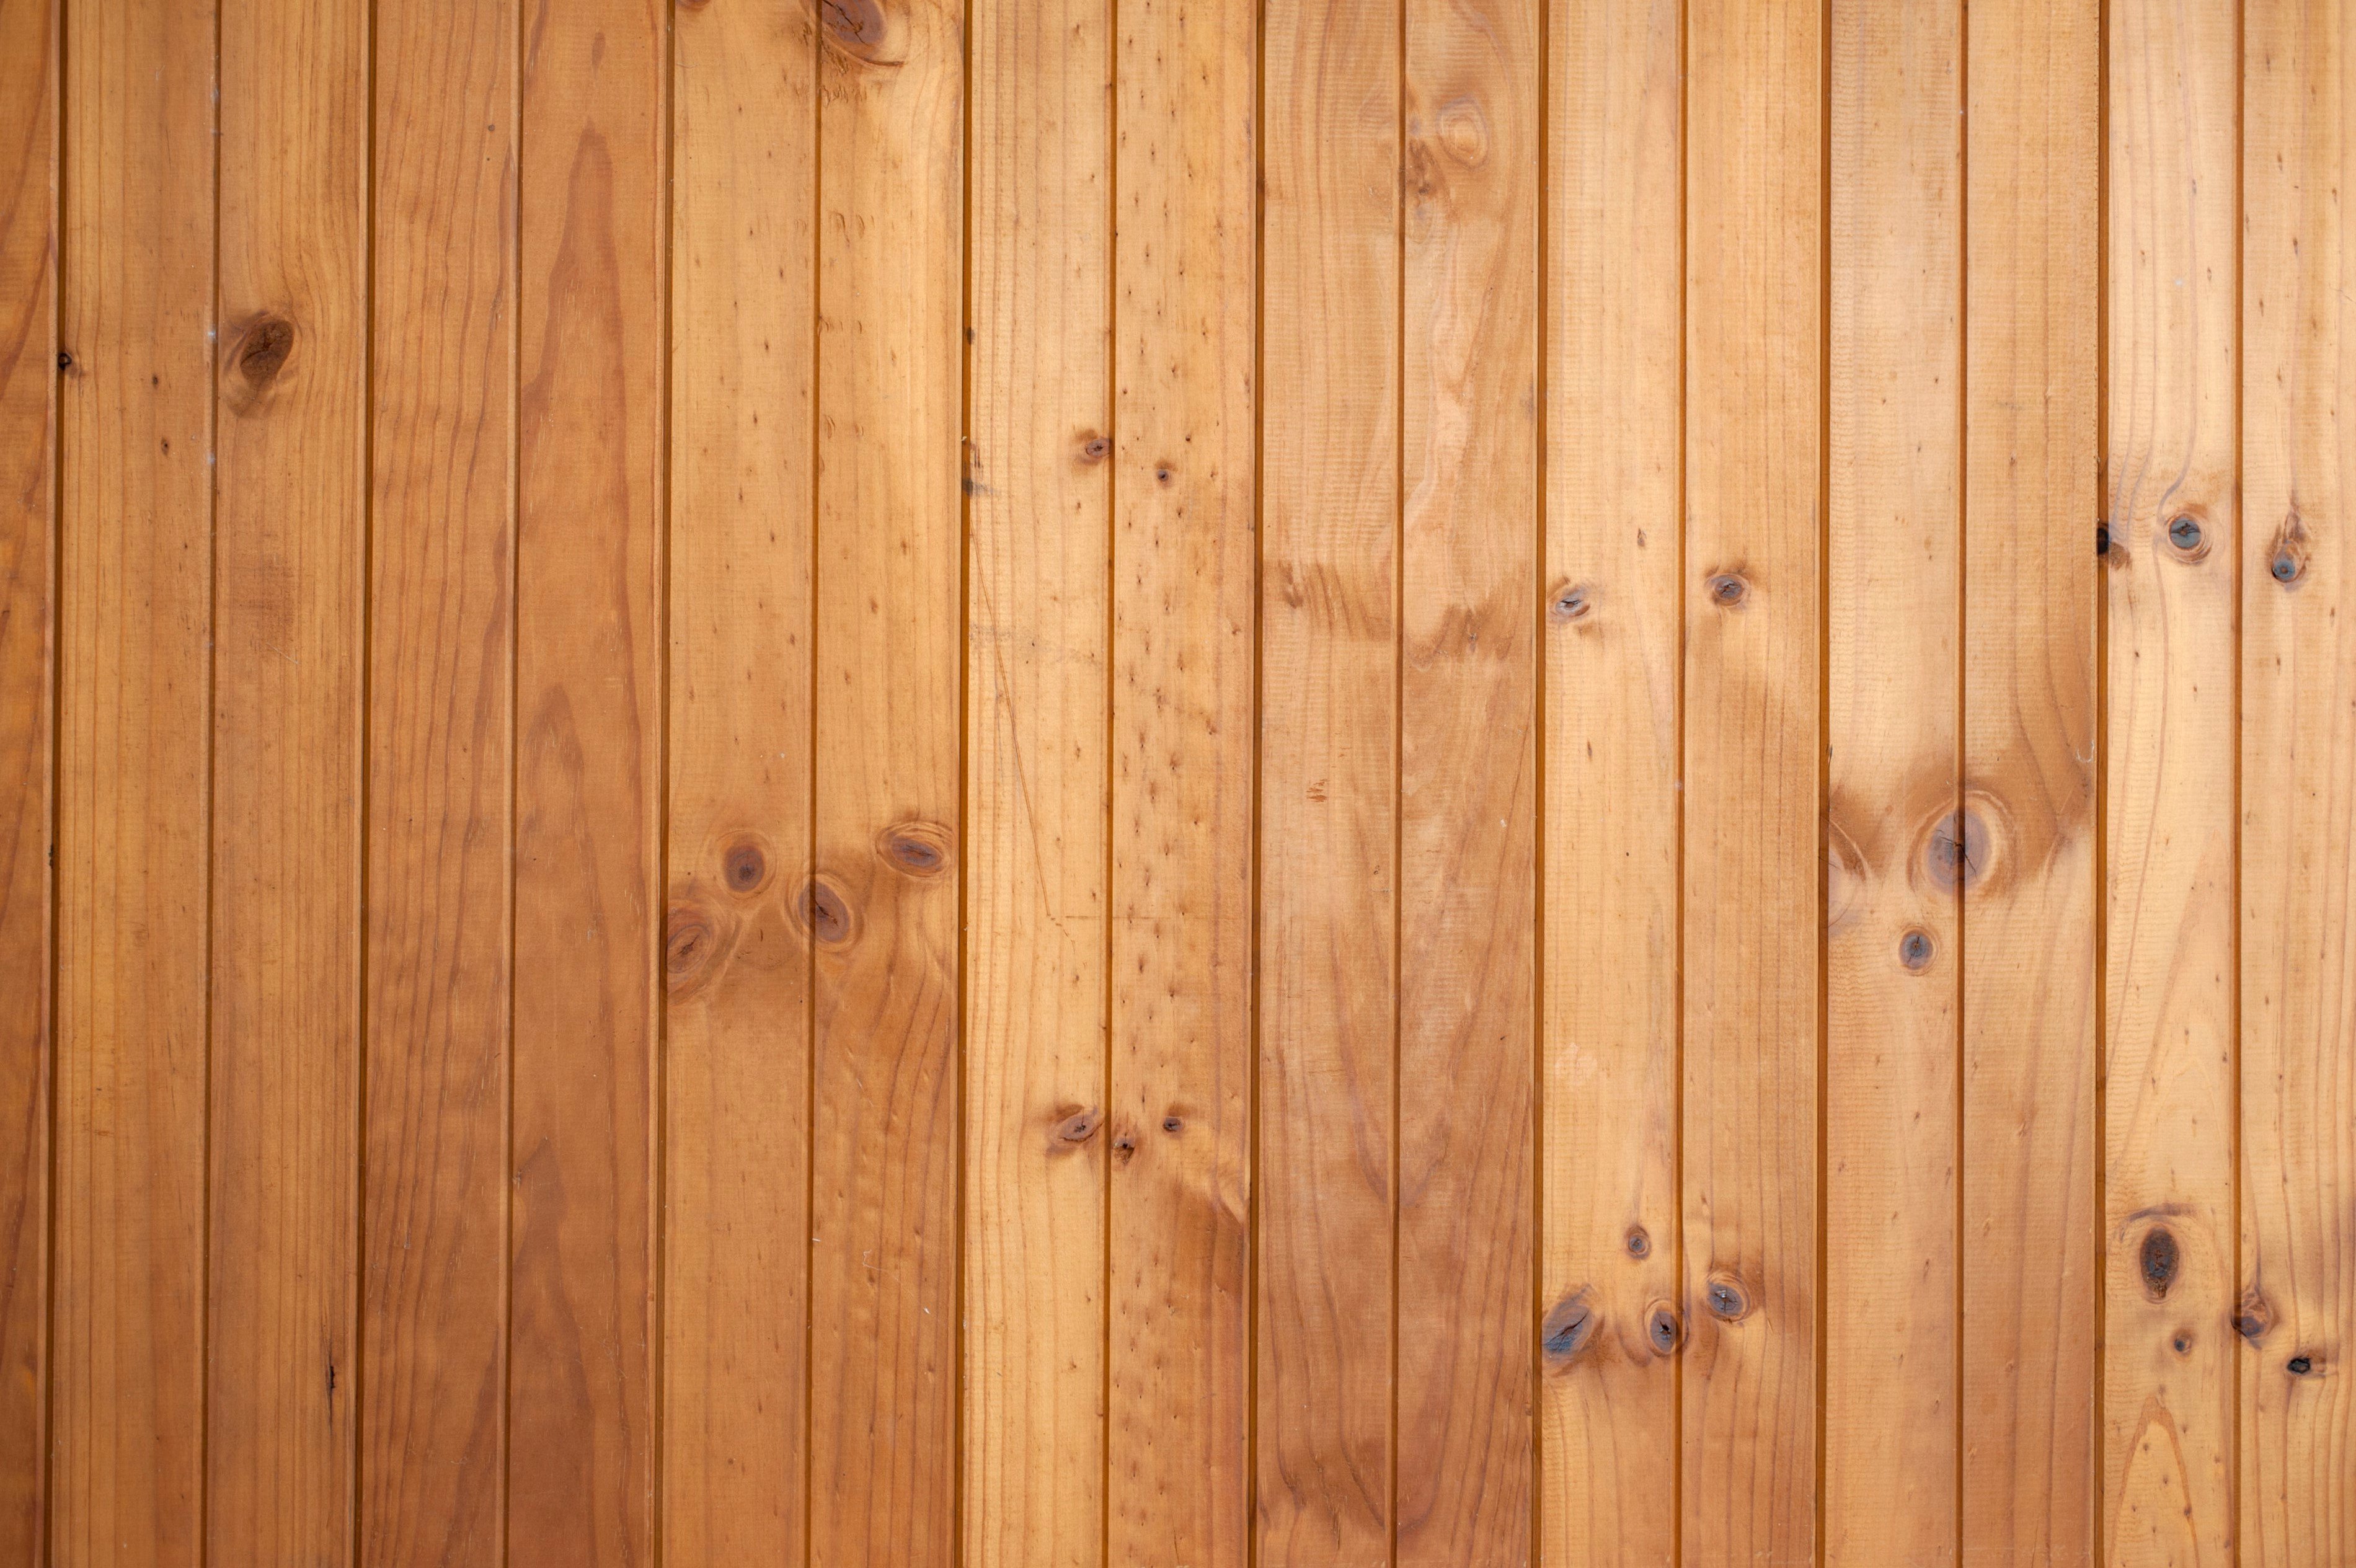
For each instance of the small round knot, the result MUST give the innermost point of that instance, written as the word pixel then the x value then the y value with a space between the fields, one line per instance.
pixel 1571 603
pixel 1726 589
pixel 1727 1298
pixel 1165 474
pixel 745 867
pixel 2300 1366
pixel 2158 1261
pixel 1078 1127
pixel 919 848
pixel 824 912
pixel 1639 1244
pixel 1914 949
pixel 1569 1323
pixel 2185 535
pixel 1173 1124
pixel 1095 450
pixel 1661 1329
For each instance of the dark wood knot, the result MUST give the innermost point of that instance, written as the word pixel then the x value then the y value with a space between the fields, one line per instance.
pixel 1570 1326
pixel 744 867
pixel 915 847
pixel 824 912
pixel 1914 949
pixel 1726 589
pixel 2158 1261
pixel 1728 1299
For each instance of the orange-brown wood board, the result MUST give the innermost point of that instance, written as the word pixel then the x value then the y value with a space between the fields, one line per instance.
pixel 1177 784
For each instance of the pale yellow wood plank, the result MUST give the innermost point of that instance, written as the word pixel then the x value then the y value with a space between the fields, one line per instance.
pixel 2296 1311
pixel 1184 559
pixel 134 571
pixel 2169 1070
pixel 883 904
pixel 1037 482
pixel 737 1025
pixel 1609 1248
pixel 1329 712
pixel 1895 854
pixel 2029 1230
pixel 1468 786
pixel 1752 873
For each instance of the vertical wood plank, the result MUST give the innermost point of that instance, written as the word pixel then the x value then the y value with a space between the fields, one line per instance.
pixel 1329 758
pixel 2034 138
pixel 1895 854
pixel 2297 1308
pixel 2170 1225
pixel 135 312
pixel 440 775
pixel 290 491
pixel 1753 470
pixel 1037 480
pixel 1613 619
pixel 883 904
pixel 29 372
pixel 1468 781
pixel 736 1076
pixel 589 607
pixel 1186 547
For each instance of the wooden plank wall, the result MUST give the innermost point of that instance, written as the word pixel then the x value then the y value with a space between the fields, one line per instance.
pixel 1055 783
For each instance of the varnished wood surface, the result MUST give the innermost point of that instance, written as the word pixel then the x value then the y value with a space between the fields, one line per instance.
pixel 1072 783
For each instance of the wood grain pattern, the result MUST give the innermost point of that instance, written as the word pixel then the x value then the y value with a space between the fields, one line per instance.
pixel 1894 946
pixel 1186 546
pixel 2029 1227
pixel 589 783
pixel 1329 758
pixel 290 488
pixel 1752 872
pixel 2170 1062
pixel 1038 482
pixel 885 902
pixel 441 770
pixel 1609 1255
pixel 134 574
pixel 29 372
pixel 736 1076
pixel 1081 782
pixel 2296 1311
pixel 1468 781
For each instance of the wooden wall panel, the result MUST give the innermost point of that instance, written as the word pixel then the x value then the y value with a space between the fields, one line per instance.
pixel 2171 1087
pixel 1330 358
pixel 1894 946
pixel 743 211
pixel 590 716
pixel 883 904
pixel 290 491
pixel 1610 1258
pixel 441 775
pixel 28 383
pixel 1754 473
pixel 2296 1309
pixel 134 771
pixel 2033 151
pixel 1084 782
pixel 1038 488
pixel 1468 781
pixel 1185 576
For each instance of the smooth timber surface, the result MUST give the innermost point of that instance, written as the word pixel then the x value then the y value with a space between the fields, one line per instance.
pixel 1177 783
